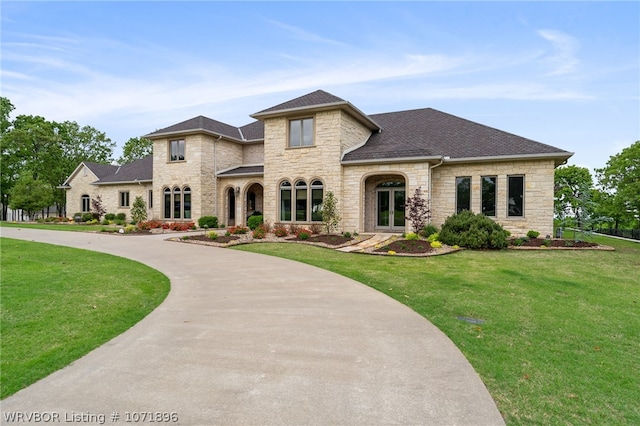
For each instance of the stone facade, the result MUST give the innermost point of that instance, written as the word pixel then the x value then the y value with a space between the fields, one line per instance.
pixel 231 178
pixel 83 184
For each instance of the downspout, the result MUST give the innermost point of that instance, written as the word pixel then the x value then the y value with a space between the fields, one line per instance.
pixel 442 158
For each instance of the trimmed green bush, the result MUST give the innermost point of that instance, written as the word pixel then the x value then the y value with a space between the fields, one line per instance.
pixel 110 216
pixel 254 221
pixel 86 217
pixel 467 229
pixel 533 234
pixel 122 217
pixel 428 229
pixel 208 221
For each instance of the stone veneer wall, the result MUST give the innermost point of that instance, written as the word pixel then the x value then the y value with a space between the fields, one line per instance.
pixel 359 197
pixel 81 184
pixel 538 196
pixel 253 153
pixel 334 130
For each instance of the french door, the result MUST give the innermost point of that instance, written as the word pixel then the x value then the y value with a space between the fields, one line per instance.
pixel 390 209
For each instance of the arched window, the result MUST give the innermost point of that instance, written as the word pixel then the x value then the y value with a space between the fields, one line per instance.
pixel 167 203
pixel 317 196
pixel 285 201
pixel 86 203
pixel 301 201
pixel 186 193
pixel 177 203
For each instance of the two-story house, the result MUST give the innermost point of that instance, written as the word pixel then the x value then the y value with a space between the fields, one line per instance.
pixel 286 161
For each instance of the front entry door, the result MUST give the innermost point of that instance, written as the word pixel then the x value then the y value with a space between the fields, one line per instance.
pixel 390 209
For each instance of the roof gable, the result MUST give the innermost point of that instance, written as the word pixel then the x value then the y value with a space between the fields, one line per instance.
pixel 319 97
pixel 199 123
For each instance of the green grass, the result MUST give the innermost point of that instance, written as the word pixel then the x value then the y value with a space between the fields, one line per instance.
pixel 560 342
pixel 59 303
pixel 58 226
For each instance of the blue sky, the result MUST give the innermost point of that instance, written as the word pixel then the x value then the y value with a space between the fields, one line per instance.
pixel 562 73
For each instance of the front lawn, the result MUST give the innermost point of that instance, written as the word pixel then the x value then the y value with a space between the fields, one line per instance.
pixel 59 303
pixel 62 226
pixel 559 341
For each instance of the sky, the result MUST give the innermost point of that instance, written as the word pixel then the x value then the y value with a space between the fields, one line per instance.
pixel 565 74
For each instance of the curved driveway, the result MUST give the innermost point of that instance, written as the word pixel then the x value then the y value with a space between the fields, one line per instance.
pixel 247 339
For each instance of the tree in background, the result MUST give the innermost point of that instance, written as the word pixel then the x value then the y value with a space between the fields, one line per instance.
pixel 135 149
pixel 30 195
pixel 49 151
pixel 573 194
pixel 620 180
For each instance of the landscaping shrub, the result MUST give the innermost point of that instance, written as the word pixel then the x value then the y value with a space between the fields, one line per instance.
pixel 254 221
pixel 86 217
pixel 412 236
pixel 436 244
pixel 260 232
pixel 149 224
pixel 467 229
pixel 433 237
pixel 303 234
pixel 212 235
pixel 208 221
pixel 239 230
pixel 110 216
pixel 315 228
pixel 428 230
pixel 533 234
pixel 280 231
pixel 122 217
pixel 346 234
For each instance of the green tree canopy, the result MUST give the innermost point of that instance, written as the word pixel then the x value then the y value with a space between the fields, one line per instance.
pixel 572 192
pixel 30 195
pixel 620 179
pixel 47 150
pixel 135 149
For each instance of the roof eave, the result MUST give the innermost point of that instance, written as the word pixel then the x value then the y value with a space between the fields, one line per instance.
pixel 392 160
pixel 355 112
pixel 253 174
pixel 124 182
pixel 153 136
pixel 560 157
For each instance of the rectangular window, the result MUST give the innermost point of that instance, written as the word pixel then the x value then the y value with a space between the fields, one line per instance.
pixel 167 203
pixel 124 199
pixel 489 195
pixel 176 150
pixel 301 204
pixel 463 193
pixel 515 196
pixel 177 203
pixel 301 132
pixel 86 204
pixel 150 203
pixel 285 204
pixel 316 204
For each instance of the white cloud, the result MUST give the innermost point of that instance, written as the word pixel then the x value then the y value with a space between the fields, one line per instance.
pixel 565 47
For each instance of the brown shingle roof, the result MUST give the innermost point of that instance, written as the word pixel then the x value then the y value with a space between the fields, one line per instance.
pixel 319 97
pixel 243 170
pixel 139 170
pixel 431 133
pixel 100 170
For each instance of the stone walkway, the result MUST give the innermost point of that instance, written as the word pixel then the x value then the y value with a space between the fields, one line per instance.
pixel 368 243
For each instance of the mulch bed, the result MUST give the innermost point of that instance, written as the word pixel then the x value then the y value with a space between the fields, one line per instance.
pixel 553 243
pixel 222 239
pixel 407 247
pixel 331 240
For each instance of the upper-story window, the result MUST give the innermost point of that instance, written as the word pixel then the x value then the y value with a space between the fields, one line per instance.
pixel 301 132
pixel 176 150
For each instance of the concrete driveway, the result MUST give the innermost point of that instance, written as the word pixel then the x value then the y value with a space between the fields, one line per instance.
pixel 246 339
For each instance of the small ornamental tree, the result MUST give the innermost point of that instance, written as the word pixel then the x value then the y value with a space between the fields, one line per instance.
pixel 98 209
pixel 418 210
pixel 139 210
pixel 330 215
